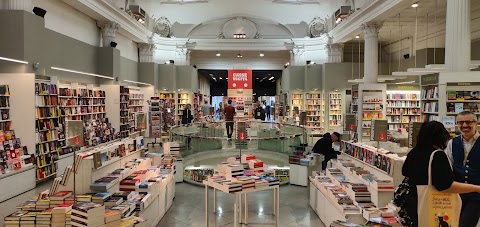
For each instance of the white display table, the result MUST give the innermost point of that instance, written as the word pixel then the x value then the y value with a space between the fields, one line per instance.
pixel 17 182
pixel 241 208
pixel 299 174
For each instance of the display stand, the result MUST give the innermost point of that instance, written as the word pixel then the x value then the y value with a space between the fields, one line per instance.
pixel 136 105
pixel 371 105
pixel 354 103
pixel 183 99
pixel 155 116
pixel 17 182
pixel 299 174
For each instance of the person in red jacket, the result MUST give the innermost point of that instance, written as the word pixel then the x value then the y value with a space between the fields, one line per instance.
pixel 229 113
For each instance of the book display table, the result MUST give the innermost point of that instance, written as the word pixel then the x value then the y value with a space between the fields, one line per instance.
pixel 17 182
pixel 240 207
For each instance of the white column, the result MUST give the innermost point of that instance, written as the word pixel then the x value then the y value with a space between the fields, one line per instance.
pixel 458 41
pixel 371 52
pixel 335 52
pixel 17 5
pixel 146 52
pixel 182 56
pixel 109 29
pixel 297 56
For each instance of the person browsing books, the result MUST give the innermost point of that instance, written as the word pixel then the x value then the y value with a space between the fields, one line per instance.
pixel 464 154
pixel 324 146
pixel 187 115
pixel 432 136
pixel 229 113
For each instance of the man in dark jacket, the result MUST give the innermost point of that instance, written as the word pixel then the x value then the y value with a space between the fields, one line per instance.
pixel 259 112
pixel 324 146
pixel 187 116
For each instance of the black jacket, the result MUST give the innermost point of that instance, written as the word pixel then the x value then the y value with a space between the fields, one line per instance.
pixel 259 113
pixel 324 146
pixel 187 116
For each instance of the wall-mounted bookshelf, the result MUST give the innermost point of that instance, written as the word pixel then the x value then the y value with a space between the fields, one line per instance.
pixel 335 109
pixel 136 106
pixel 48 130
pixel 315 109
pixel 354 103
pixel 403 107
pixel 5 121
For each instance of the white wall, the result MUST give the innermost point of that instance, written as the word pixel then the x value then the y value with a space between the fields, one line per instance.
pixel 68 21
pixel 22 107
pixel 128 48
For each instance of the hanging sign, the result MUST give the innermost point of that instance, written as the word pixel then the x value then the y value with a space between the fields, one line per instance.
pixel 349 124
pixel 240 79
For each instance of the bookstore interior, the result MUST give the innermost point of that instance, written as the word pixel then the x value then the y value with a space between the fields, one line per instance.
pixel 100 127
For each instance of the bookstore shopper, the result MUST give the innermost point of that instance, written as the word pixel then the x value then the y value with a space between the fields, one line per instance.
pixel 432 136
pixel 325 146
pixel 464 153
pixel 229 112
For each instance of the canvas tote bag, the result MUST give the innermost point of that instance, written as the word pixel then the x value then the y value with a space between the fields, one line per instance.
pixel 437 208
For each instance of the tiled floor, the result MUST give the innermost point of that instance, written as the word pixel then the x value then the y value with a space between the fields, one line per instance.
pixel 189 208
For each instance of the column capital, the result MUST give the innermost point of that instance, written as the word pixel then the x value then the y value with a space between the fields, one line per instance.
pixel 25 5
pixel 335 47
pixel 146 51
pixel 371 29
pixel 109 29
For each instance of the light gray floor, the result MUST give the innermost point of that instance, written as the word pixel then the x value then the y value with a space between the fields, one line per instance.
pixel 189 208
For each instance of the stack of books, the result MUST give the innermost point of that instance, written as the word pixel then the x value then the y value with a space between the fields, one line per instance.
pixel 112 218
pixel 141 202
pixel 59 198
pixel 104 183
pixel 261 184
pixel 28 219
pixel 14 219
pixel 29 205
pixel 233 170
pixel 372 212
pixel 113 201
pixel 247 157
pixel 383 185
pixel 126 196
pixel 42 204
pixel 255 164
pixel 88 214
pixel 59 214
pixel 84 198
pixel 359 193
pixel 44 218
pixel 246 182
pixel 127 208
pixel 129 184
pixel 68 219
pixel 101 197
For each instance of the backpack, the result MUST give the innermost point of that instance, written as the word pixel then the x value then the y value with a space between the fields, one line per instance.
pixel 399 199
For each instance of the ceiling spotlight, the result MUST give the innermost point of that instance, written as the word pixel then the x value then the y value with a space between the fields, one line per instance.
pixel 415 5
pixel 239 56
pixel 261 54
pixel 357 37
pixel 271 78
pixel 220 78
pixel 218 54
pixel 338 20
pixel 257 78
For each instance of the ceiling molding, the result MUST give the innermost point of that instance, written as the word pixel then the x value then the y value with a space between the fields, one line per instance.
pixel 102 10
pixel 181 2
pixel 371 12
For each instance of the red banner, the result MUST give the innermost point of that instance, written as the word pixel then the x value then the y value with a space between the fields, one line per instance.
pixel 240 79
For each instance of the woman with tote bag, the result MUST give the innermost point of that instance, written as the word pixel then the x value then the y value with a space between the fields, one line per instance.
pixel 432 198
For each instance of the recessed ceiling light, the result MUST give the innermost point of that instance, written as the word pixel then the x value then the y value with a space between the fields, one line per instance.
pixel 220 78
pixel 415 5
pixel 261 55
pixel 357 37
pixel 218 54
pixel 271 78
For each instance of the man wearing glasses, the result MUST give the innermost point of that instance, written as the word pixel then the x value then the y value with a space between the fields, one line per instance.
pixel 464 154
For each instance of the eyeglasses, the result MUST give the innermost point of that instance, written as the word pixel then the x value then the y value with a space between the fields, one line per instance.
pixel 465 122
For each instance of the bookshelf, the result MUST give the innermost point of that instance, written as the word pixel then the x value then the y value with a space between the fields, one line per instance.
pixel 430 97
pixel 403 107
pixel 136 105
pixel 183 99
pixel 167 102
pixel 371 105
pixel 354 103
pixel 48 130
pixel 196 111
pixel 155 117
pixel 335 109
pixel 297 106
pixel 315 109
pixel 124 111
pixel 5 121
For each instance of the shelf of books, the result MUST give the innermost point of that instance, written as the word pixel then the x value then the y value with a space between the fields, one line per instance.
pixel 403 107
pixel 155 117
pixel 430 97
pixel 136 106
pixel 360 186
pixel 371 105
pixel 124 111
pixel 113 187
pixel 17 167
pixel 297 106
pixel 315 109
pixel 197 174
pixel 335 109
pixel 354 103
pixel 196 111
pixel 183 99
pixel 48 130
pixel 167 102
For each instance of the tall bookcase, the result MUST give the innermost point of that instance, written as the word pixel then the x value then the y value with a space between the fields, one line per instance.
pixel 136 105
pixel 167 102
pixel 403 106
pixel 124 111
pixel 183 99
pixel 297 106
pixel 430 97
pixel 335 109
pixel 354 103
pixel 48 131
pixel 315 109
pixel 371 105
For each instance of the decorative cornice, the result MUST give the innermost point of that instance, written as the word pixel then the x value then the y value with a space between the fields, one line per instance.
pixel 103 10
pixel 335 47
